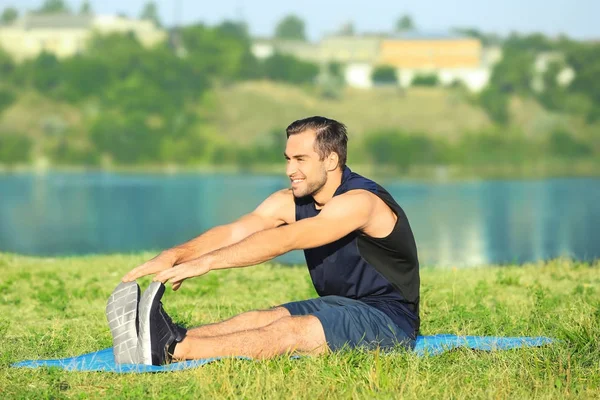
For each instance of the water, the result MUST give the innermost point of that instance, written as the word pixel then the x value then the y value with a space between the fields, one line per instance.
pixel 455 224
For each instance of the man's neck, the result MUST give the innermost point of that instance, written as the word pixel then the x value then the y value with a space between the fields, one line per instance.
pixel 327 191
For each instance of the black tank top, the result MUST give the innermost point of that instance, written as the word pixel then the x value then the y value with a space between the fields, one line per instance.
pixel 382 272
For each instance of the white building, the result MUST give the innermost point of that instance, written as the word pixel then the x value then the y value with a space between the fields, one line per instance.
pixel 65 35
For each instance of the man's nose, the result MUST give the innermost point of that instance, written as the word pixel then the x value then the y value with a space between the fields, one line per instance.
pixel 290 168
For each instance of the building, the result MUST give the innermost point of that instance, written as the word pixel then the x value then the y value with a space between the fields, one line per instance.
pixel 451 58
pixel 65 35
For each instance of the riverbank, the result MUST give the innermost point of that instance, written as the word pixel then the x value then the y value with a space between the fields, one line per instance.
pixel 432 173
pixel 54 307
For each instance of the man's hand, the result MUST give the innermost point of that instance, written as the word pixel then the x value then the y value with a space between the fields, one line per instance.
pixel 161 262
pixel 181 272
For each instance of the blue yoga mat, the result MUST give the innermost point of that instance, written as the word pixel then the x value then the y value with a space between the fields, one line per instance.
pixel 426 345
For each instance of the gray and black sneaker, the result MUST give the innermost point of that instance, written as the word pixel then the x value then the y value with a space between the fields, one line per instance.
pixel 122 316
pixel 158 334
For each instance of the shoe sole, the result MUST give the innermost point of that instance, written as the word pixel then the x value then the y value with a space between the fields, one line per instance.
pixel 121 314
pixel 144 340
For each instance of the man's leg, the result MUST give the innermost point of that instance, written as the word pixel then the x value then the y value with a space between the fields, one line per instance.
pixel 242 322
pixel 303 334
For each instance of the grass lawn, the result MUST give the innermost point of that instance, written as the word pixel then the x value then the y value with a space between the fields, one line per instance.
pixel 54 307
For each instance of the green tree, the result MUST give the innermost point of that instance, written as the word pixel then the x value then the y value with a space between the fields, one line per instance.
pixel 280 67
pixel 43 73
pixel 563 144
pixel 230 57
pixel 425 80
pixel 6 65
pixel 126 138
pixel 495 103
pixel 535 42
pixel 394 148
pixel 7 98
pixel 552 96
pixel 53 6
pixel 514 73
pixel 290 27
pixel 487 39
pixel 405 23
pixel 77 84
pixel 384 75
pixel 9 14
pixel 86 8
pixel 150 12
pixel 584 58
pixel 14 149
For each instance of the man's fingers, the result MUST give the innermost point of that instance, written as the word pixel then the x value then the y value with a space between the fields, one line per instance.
pixel 166 275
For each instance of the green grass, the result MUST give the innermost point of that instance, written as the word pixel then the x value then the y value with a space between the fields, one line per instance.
pixel 54 307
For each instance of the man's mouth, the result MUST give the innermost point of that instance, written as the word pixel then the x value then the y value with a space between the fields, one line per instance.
pixel 297 180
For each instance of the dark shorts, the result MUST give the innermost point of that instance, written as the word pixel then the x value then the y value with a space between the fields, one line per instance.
pixel 351 323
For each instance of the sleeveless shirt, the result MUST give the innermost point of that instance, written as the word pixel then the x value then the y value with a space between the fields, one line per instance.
pixel 381 272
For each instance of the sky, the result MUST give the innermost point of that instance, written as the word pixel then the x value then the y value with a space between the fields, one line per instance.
pixel 574 18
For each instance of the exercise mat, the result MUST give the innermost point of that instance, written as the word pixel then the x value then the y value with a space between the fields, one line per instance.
pixel 103 360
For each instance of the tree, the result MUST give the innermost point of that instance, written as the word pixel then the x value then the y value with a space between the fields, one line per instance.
pixel 495 103
pixel 150 12
pixel 53 6
pixel 8 15
pixel 6 64
pixel 384 75
pixel 487 39
pixel 86 8
pixel 14 149
pixel 405 23
pixel 584 58
pixel 281 67
pixel 290 27
pixel 514 73
pixel 425 80
pixel 7 97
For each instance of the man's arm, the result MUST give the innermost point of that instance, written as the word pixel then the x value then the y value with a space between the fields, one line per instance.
pixel 342 214
pixel 271 213
pixel 276 210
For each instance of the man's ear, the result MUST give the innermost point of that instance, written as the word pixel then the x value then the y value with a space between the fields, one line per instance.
pixel 332 161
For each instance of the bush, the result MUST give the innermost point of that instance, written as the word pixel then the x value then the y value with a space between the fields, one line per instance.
pixel 384 75
pixel 493 148
pixel 127 140
pixel 563 144
pixel 401 150
pixel 426 80
pixel 280 67
pixel 495 104
pixel 7 97
pixel 14 149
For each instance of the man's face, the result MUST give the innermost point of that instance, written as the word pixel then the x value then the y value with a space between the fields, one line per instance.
pixel 306 171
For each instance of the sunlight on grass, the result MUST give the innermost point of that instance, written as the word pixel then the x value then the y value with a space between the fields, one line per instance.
pixel 54 307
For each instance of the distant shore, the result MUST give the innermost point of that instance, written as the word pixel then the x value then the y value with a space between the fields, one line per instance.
pixel 441 173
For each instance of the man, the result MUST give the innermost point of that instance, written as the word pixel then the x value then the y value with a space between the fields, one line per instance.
pixel 358 245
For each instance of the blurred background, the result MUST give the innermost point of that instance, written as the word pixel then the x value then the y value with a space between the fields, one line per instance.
pixel 130 126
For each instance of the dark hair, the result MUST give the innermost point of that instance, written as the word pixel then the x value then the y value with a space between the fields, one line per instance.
pixel 331 136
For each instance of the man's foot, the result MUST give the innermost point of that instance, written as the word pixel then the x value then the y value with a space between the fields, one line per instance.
pixel 158 334
pixel 122 313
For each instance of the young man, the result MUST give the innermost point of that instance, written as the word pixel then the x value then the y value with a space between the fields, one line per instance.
pixel 358 245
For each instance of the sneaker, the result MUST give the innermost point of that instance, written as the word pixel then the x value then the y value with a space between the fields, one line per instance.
pixel 158 334
pixel 122 317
